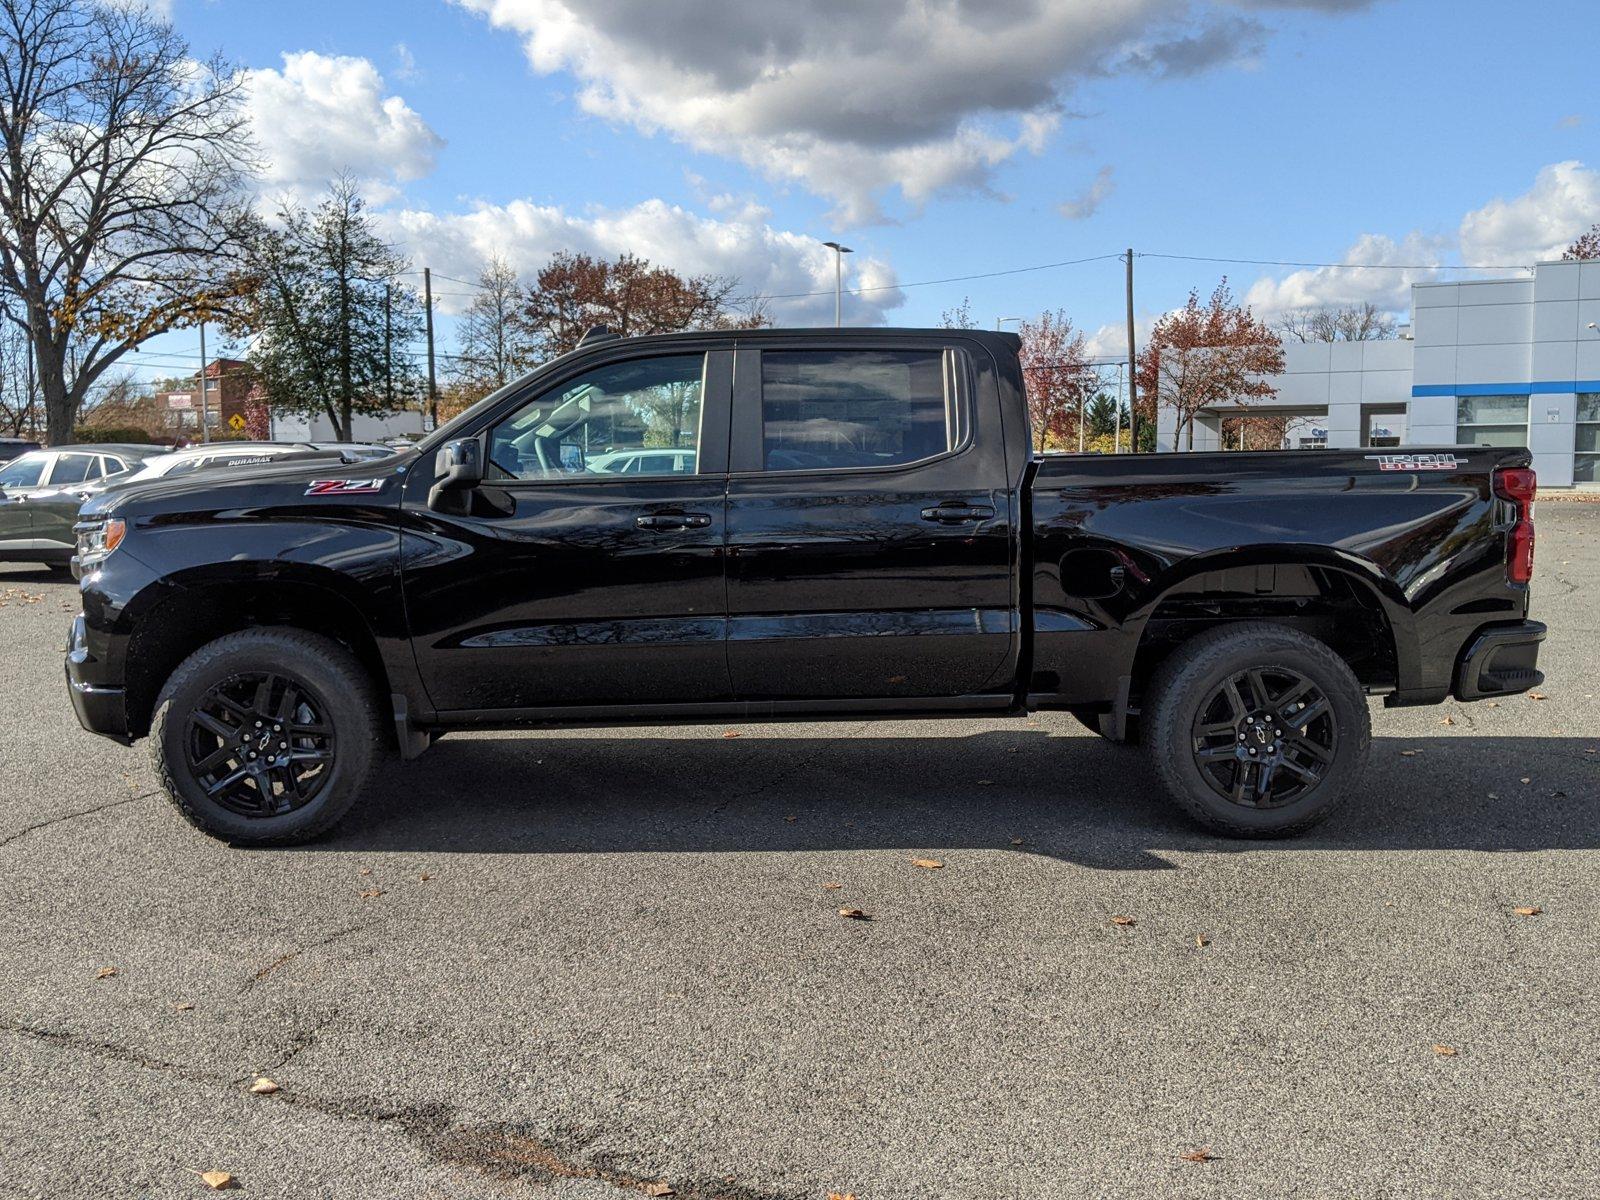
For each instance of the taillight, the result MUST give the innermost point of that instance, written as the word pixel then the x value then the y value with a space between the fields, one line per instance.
pixel 1518 485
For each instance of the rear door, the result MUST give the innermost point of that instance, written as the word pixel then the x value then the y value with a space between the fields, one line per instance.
pixel 575 586
pixel 870 534
pixel 55 507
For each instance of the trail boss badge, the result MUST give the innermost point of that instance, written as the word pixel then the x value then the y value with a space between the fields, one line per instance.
pixel 1415 462
pixel 344 487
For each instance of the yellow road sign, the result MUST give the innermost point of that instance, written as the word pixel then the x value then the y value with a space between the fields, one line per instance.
pixel 236 422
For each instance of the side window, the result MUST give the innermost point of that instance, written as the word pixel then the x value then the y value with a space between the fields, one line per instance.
pixel 23 472
pixel 71 468
pixel 96 467
pixel 824 409
pixel 589 426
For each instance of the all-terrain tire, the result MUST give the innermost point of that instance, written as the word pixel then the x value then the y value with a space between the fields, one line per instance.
pixel 347 701
pixel 1192 674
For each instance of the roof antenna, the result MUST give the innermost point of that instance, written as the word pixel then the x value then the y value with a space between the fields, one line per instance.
pixel 598 333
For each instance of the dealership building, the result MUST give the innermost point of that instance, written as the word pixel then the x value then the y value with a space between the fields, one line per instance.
pixel 1494 362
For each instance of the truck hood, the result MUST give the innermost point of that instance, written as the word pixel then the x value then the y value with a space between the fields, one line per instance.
pixel 302 482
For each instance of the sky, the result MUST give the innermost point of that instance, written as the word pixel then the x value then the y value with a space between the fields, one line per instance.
pixel 945 141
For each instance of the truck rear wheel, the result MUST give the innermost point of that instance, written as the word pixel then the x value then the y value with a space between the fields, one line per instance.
pixel 1258 730
pixel 267 737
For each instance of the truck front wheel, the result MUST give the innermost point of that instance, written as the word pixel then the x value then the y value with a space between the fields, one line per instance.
pixel 267 737
pixel 1257 730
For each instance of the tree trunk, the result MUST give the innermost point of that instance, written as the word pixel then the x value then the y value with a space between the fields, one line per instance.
pixel 344 433
pixel 60 405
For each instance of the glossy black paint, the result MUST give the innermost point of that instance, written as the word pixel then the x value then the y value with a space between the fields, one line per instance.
pixel 986 578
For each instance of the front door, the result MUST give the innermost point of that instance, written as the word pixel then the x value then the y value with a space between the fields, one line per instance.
pixel 55 508
pixel 869 526
pixel 20 480
pixel 591 572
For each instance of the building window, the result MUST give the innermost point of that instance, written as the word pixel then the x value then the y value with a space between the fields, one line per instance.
pixel 1492 420
pixel 1586 462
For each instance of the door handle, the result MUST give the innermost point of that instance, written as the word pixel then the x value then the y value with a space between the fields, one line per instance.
pixel 957 514
pixel 673 521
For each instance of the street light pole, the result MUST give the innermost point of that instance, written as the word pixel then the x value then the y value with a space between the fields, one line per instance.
pixel 205 404
pixel 999 321
pixel 838 280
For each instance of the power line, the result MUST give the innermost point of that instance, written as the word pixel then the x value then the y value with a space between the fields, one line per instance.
pixel 1354 266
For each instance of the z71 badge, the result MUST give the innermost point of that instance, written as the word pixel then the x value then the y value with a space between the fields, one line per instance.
pixel 1415 462
pixel 344 487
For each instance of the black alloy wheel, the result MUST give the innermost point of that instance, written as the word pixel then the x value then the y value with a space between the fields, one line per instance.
pixel 1265 737
pixel 260 744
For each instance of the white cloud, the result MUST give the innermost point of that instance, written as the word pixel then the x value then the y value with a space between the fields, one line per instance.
pixel 323 115
pixel 1388 270
pixel 1089 202
pixel 853 100
pixel 737 242
pixel 1537 225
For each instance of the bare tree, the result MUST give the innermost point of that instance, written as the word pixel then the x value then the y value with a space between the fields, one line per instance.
pixel 21 413
pixel 122 161
pixel 959 317
pixel 1363 322
pixel 494 346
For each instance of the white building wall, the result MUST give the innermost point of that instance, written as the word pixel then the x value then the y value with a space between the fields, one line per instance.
pixel 1523 337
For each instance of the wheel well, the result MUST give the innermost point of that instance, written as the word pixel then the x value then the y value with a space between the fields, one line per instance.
pixel 1330 605
pixel 194 616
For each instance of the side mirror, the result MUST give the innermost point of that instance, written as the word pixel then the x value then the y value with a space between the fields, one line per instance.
pixel 460 466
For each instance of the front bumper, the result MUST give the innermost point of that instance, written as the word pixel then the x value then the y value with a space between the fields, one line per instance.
pixel 101 709
pixel 1500 660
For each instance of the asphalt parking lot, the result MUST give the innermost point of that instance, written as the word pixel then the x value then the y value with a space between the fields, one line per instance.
pixel 583 964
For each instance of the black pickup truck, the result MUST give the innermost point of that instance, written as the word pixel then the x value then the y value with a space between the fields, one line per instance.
pixel 793 524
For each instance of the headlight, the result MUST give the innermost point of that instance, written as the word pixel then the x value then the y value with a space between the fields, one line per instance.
pixel 98 537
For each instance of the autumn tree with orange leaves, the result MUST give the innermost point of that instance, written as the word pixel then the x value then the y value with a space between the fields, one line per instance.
pixel 1205 355
pixel 1586 247
pixel 1058 376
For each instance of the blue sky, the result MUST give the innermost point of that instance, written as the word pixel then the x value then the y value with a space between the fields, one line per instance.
pixel 941 138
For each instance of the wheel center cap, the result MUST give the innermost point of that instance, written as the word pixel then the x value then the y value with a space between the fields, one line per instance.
pixel 263 741
pixel 1259 732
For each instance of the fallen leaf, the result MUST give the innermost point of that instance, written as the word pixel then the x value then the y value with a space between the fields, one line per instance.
pixel 791 819
pixel 1537 696
pixel 372 893
pixel 218 1181
pixel 1016 841
pixel 731 733
pixel 658 1189
pixel 1531 910
pixel 855 914
pixel 183 1006
pixel 263 1087
pixel 1448 721
pixel 1122 921
pixel 1444 1051
pixel 1494 704
pixel 1526 779
pixel 927 864
pixel 1201 940
pixel 425 876
pixel 105 972
pixel 841 1196
pixel 365 871
pixel 897 679
pixel 1200 1155
pixel 1404 753
pixel 832 887
pixel 985 783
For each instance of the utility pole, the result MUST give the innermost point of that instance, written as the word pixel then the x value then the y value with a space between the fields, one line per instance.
pixel 205 409
pixel 1133 383
pixel 433 385
pixel 838 280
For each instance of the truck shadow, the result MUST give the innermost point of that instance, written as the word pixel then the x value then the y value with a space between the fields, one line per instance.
pixel 1072 798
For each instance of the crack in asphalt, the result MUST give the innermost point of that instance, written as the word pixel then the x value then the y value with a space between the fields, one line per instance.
pixel 507 1151
pixel 73 816
pixel 298 951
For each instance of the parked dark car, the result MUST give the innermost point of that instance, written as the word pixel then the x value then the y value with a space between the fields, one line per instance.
pixel 865 532
pixel 41 491
pixel 12 447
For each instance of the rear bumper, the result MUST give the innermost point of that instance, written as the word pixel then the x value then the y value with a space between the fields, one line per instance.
pixel 1500 660
pixel 101 708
